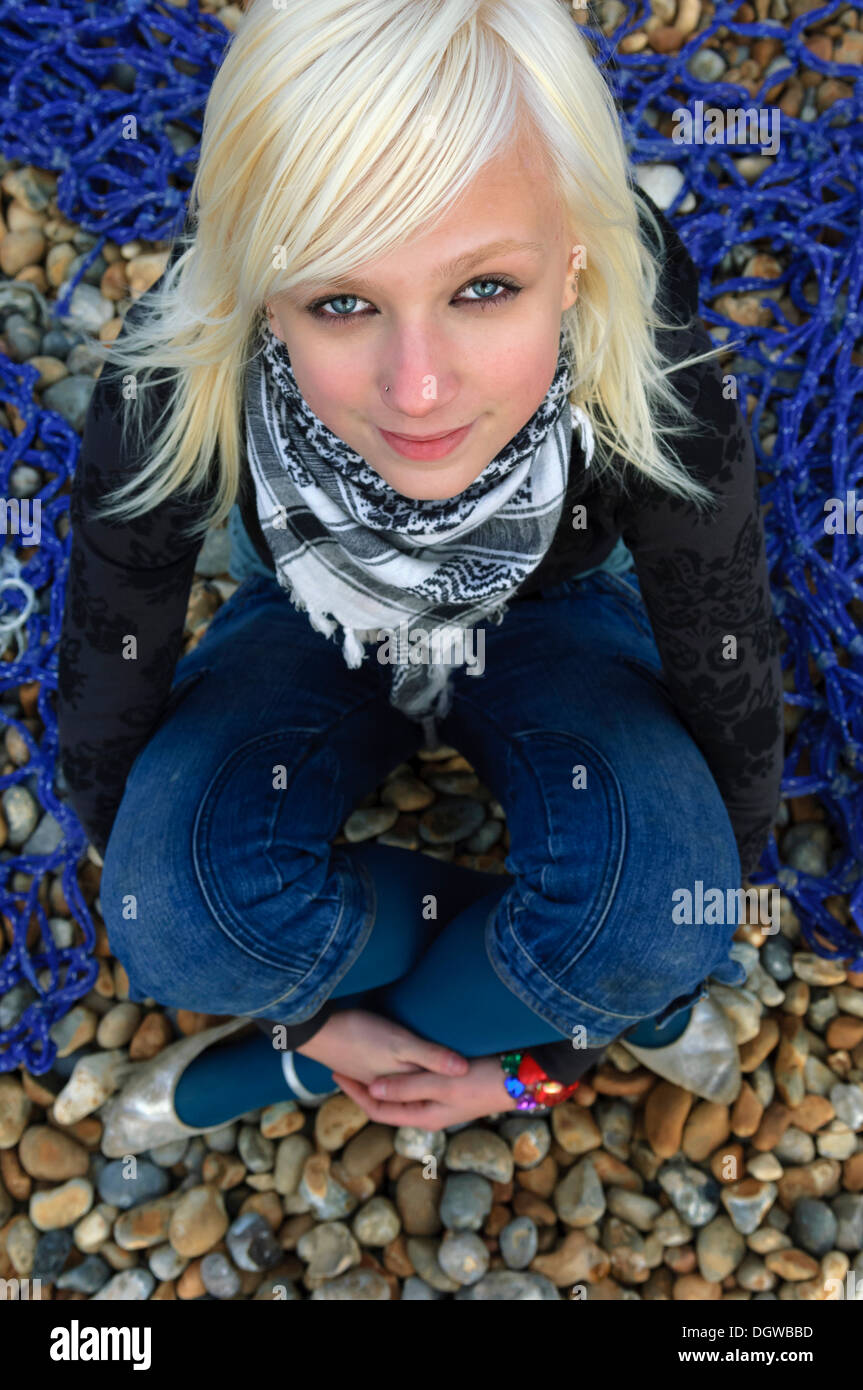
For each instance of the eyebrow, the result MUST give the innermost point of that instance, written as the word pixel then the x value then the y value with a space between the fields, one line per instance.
pixel 453 267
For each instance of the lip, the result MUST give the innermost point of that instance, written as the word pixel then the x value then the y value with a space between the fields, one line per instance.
pixel 428 448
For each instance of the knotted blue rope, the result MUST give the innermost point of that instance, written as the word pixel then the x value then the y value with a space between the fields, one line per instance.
pixel 802 372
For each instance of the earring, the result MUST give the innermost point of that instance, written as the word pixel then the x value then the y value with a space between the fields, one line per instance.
pixel 386 388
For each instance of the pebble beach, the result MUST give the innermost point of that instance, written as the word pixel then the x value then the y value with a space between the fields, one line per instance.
pixel 632 1190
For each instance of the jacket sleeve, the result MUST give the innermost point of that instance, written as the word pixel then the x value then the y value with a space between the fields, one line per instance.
pixel 125 580
pixel 704 581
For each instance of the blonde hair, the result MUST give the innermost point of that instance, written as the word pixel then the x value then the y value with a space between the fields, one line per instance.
pixel 316 157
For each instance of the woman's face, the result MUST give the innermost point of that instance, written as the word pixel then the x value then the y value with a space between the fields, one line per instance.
pixel 455 348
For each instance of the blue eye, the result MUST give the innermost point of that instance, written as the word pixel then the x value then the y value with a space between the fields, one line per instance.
pixel 510 288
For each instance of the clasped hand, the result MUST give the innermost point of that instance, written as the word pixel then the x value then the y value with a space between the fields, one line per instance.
pixel 399 1078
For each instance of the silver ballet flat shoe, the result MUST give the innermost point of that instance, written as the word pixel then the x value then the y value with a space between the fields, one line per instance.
pixel 142 1116
pixel 703 1060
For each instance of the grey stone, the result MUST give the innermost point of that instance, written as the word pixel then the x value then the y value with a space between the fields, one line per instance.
pixel 416 1290
pixel 377 1222
pixel 848 1211
pixel 88 1277
pixel 130 1285
pixel 258 1153
pixel 88 310
pixel 70 397
pixel 694 1194
pixel 52 1251
pixel 165 1262
pixel 579 1198
pixel 805 847
pixel 251 1242
pixel 145 1183
pixel 451 819
pixel 707 65
pixel 813 1226
pixel 464 1257
pixel 747 1212
pixel 329 1250
pixel 847 1101
pixel 776 957
pixel 509 1285
pixel 166 1155
pixel 15 1001
pixel 518 1242
pixel 795 1146
pixel 219 1276
pixel 615 1119
pixel 224 1140
pixel 422 1252
pixel 358 1285
pixel 47 836
pixel 514 1126
pixel 640 1211
pixel 466 1201
pixel 22 336
pixel 369 821
pixel 22 813
pixel 483 839
pixel 475 1150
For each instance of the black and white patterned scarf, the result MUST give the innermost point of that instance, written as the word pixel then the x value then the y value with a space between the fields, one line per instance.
pixel 357 555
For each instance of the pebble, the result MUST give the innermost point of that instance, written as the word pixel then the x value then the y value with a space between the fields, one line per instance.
pixel 219 1276
pixel 281 1119
pixel 47 837
pixel 70 397
pixel 117 1027
pixel 166 1155
pixel 198 1221
pixel 52 1251
pixel 15 1107
pixel 636 1208
pixel 747 1202
pixel 337 1121
pixel 465 1202
pixel 165 1262
pixel 291 1156
pixel 418 1199
pixel 847 1101
pixel 661 182
pixel 419 1143
pixel 377 1222
pixel 126 1182
pixel 327 1198
pixel 794 1146
pixel 813 1226
pixel 615 1119
pixel 579 1198
pixel 519 1242
pixel 358 1285
pixel 575 1128
pixel 407 793
pixel 93 1080
pixel 452 818
pixel 805 847
pixel 529 1138
pixel 373 1145
pixel 48 1153
pixel 21 812
pixel 369 821
pixel 776 956
pixel 695 1195
pixel 816 970
pixel 506 1285
pixel 258 1153
pixel 145 1225
pixel 422 1251
pixel 251 1242
pixel 848 1211
pixel 130 1285
pixel 415 1290
pixel 88 1277
pixel 480 1151
pixel 464 1257
pixel 62 1206
pixel 224 1140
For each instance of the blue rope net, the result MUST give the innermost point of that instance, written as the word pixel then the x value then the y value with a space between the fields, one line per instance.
pixel 72 71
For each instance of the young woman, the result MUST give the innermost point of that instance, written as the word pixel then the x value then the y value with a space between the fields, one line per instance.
pixel 440 362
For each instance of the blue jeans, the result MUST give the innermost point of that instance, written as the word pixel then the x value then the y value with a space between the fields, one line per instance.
pixel 221 890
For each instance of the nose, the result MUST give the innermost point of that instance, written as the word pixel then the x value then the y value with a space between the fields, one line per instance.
pixel 416 380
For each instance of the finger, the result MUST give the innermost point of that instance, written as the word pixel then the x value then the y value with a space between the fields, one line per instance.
pixel 437 1058
pixel 407 1086
pixel 419 1115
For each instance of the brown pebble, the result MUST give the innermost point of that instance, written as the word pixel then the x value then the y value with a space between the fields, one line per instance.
pixel 294 1227
pixel 817 1179
pixel 613 1172
pixel 575 1129
pixel 747 1112
pixel 753 1053
pixel 190 1284
pixel 153 1033
pixel 418 1200
pixel 680 1258
pixel 706 1129
pixel 844 1032
pixel 372 1146
pixel 396 1259
pixel 198 1221
pixel 812 1113
pixel 397 1165
pixel 49 1153
pixel 17 1183
pixel 852 1173
pixel 223 1171
pixel 608 1081
pixel 726 1164
pixel 528 1204
pixel 267 1205
pixel 542 1179
pixel 576 1260
pixel 691 1287
pixel 665 1114
pixel 498 1217
pixel 165 1292
pixel 791 1264
pixel 777 1117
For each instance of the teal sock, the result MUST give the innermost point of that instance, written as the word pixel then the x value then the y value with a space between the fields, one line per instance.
pixel 650 1034
pixel 223 1082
